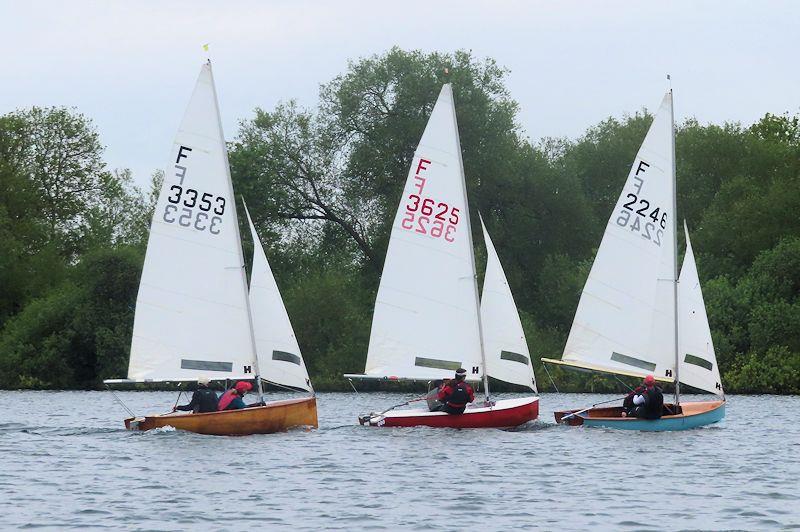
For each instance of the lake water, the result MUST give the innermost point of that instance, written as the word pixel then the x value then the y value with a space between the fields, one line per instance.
pixel 66 461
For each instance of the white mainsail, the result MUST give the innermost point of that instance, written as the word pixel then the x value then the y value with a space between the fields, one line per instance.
pixel 279 358
pixel 426 321
pixel 507 356
pixel 192 315
pixel 698 362
pixel 625 320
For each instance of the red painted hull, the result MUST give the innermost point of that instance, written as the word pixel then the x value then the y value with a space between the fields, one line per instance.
pixel 504 414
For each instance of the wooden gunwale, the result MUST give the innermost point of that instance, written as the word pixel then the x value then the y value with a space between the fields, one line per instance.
pixel 276 416
pixel 613 414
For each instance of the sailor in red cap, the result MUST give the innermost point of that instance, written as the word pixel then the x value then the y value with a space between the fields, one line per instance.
pixel 232 399
pixel 647 400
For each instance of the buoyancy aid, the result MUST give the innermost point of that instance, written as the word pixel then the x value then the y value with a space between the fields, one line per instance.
pixel 457 394
pixel 226 399
pixel 654 403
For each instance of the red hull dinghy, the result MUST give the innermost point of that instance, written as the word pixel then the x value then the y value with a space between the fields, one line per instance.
pixel 429 320
pixel 500 415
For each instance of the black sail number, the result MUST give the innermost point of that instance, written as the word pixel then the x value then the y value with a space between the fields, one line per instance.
pixel 629 205
pixel 205 201
pixel 193 209
pixel 193 193
pixel 177 191
pixel 220 208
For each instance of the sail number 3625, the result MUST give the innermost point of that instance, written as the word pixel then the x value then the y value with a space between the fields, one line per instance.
pixel 190 208
pixel 427 217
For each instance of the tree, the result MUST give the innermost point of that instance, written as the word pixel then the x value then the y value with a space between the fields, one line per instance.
pixel 346 163
pixel 79 333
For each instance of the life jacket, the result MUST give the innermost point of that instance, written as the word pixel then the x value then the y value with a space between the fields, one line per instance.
pixel 226 399
pixel 654 403
pixel 459 395
pixel 206 400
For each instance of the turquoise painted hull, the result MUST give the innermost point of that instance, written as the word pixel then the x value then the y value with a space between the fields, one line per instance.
pixel 663 424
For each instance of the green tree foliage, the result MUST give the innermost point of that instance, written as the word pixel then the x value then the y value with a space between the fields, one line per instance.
pixel 79 333
pixel 323 186
pixel 57 201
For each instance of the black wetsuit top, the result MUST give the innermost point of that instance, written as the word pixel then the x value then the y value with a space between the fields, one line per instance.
pixel 203 400
pixel 653 403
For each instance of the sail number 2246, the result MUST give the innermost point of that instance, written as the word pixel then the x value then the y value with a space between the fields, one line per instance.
pixel 638 215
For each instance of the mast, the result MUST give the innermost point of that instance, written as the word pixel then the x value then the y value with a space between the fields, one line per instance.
pixel 471 249
pixel 675 247
pixel 240 254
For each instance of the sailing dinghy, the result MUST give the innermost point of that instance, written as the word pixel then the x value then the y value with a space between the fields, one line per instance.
pixel 194 316
pixel 636 316
pixel 428 319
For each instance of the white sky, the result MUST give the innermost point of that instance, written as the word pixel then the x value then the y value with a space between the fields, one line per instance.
pixel 131 65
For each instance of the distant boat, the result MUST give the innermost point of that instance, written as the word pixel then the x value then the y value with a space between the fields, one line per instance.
pixel 636 316
pixel 427 320
pixel 194 317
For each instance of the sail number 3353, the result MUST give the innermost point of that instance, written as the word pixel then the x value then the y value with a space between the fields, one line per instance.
pixel 425 215
pixel 638 215
pixel 189 207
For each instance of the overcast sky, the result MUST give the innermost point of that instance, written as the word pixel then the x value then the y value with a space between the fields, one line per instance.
pixel 131 66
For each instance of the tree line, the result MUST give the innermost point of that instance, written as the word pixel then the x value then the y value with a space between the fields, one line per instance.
pixel 323 185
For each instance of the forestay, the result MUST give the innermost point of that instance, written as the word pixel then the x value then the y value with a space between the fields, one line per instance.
pixel 507 355
pixel 425 323
pixel 191 312
pixel 625 319
pixel 697 358
pixel 279 357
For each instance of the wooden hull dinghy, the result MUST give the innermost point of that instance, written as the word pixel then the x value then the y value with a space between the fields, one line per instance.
pixel 277 416
pixel 692 415
pixel 501 415
pixel 196 317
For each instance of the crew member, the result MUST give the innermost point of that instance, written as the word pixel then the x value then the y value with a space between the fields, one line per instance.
pixel 233 398
pixel 456 393
pixel 649 403
pixel 204 399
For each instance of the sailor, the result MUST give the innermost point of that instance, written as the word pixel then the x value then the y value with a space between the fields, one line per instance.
pixel 204 399
pixel 456 393
pixel 232 399
pixel 649 402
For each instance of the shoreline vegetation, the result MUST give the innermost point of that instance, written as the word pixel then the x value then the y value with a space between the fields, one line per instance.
pixel 322 185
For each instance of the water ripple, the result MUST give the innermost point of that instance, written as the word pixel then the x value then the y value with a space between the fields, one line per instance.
pixel 80 469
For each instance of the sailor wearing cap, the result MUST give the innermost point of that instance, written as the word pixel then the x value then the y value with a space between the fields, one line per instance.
pixel 456 393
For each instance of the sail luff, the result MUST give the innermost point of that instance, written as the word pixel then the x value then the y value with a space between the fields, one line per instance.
pixel 675 249
pixel 471 247
pixel 239 249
